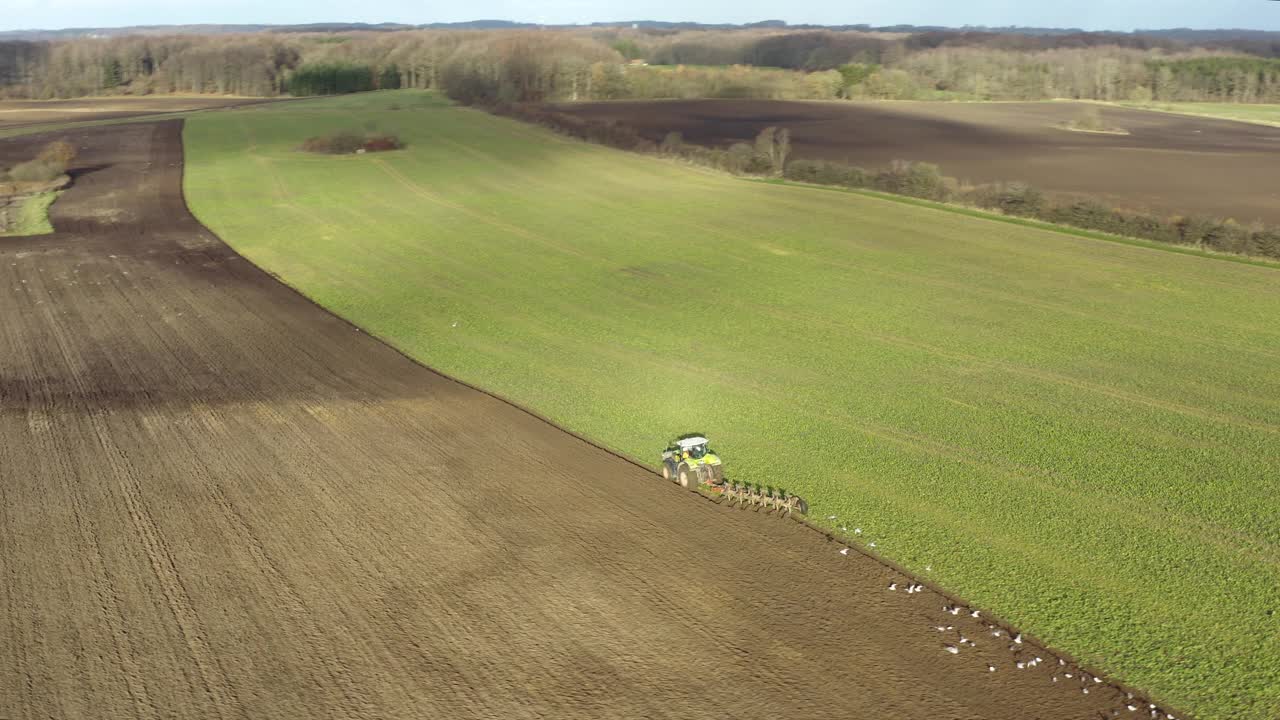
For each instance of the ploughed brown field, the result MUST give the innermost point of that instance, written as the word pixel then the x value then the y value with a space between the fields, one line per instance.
pixel 1168 164
pixel 217 500
pixel 20 113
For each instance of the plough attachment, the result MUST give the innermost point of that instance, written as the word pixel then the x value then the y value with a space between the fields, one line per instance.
pixel 690 462
pixel 769 499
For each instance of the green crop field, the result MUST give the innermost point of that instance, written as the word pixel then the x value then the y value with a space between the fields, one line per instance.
pixel 1082 436
pixel 1248 112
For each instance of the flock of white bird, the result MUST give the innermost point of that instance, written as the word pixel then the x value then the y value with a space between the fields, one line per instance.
pixel 953 648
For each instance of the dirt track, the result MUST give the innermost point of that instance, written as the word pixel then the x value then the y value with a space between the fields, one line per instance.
pixel 219 501
pixel 1168 164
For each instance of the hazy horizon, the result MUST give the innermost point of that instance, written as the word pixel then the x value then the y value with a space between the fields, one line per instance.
pixel 1088 15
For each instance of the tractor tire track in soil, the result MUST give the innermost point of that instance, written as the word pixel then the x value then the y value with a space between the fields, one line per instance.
pixel 219 500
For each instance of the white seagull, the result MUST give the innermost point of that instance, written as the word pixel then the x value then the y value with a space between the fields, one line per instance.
pixel 893 586
pixel 844 551
pixel 1018 639
pixel 951 649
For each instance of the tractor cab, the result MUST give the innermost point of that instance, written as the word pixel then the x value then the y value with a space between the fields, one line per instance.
pixel 696 452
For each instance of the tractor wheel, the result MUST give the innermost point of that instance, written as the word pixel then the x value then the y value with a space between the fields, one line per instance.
pixel 689 478
pixel 668 471
pixel 717 475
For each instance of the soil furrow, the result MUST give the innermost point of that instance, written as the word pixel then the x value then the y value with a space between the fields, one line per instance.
pixel 220 500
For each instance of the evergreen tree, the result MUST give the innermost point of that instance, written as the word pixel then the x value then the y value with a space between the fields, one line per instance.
pixel 390 78
pixel 112 74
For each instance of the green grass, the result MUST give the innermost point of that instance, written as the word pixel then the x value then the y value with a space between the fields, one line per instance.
pixel 1031 223
pixel 1082 436
pixel 1254 113
pixel 33 218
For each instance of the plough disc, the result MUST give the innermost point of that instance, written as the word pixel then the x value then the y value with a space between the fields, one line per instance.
pixel 766 498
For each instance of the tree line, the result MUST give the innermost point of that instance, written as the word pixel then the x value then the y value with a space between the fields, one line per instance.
pixel 1108 74
pixel 606 63
pixel 262 65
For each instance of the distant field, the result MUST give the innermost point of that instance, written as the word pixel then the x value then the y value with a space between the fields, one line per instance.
pixel 22 113
pixel 1264 114
pixel 1168 164
pixel 1081 436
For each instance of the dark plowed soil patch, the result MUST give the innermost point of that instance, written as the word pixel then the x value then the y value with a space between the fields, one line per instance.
pixel 21 113
pixel 1168 164
pixel 219 501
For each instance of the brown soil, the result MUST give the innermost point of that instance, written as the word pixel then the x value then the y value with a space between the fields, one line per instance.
pixel 21 113
pixel 219 501
pixel 1167 164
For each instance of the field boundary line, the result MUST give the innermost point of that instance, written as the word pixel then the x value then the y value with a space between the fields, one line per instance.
pixel 1188 113
pixel 956 209
pixel 625 457
pixel 1024 222
pixel 810 523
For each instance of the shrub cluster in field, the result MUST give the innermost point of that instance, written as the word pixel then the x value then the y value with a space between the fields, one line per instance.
pixel 49 165
pixel 1090 120
pixel 348 142
pixel 769 156
pixel 27 189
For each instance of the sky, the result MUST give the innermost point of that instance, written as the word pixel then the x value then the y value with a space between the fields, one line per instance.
pixel 1087 14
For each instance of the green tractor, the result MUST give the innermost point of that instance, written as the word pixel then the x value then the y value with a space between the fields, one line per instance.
pixel 690 462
